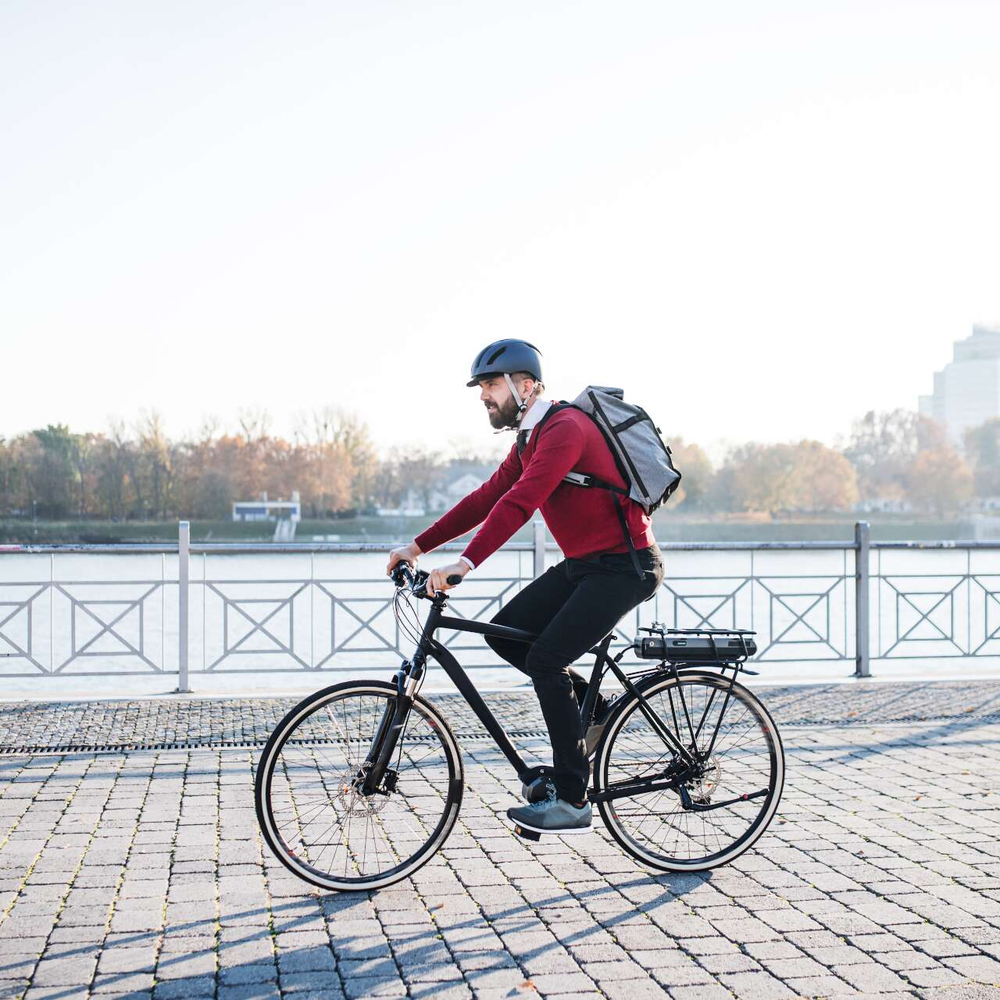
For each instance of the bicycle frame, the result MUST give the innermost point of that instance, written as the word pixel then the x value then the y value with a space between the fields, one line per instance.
pixel 679 766
pixel 409 678
pixel 436 619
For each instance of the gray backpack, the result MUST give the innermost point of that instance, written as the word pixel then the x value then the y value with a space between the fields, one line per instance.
pixel 643 459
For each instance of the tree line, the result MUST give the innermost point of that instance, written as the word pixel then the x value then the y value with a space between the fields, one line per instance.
pixel 896 459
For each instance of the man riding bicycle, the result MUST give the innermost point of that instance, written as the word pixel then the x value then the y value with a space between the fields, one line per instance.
pixel 575 603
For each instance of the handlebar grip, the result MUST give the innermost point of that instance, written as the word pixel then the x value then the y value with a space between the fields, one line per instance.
pixel 454 580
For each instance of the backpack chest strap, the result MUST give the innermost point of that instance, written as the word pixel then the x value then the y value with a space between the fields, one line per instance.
pixel 584 479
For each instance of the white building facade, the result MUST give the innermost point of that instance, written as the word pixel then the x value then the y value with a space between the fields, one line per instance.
pixel 967 390
pixel 268 510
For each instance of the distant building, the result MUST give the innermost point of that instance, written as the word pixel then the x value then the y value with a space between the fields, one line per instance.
pixel 883 505
pixel 455 482
pixel 967 389
pixel 454 489
pixel 268 510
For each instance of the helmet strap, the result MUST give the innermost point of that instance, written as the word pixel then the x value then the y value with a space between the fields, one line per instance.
pixel 522 404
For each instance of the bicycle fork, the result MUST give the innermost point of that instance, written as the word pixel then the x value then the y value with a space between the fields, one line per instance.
pixel 375 775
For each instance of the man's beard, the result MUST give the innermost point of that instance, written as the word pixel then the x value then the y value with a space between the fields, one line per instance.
pixel 504 415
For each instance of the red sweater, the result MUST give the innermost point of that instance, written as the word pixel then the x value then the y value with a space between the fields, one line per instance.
pixel 583 520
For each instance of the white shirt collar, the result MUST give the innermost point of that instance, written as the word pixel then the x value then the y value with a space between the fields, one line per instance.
pixel 535 413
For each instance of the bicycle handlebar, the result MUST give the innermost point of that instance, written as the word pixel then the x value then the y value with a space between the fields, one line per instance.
pixel 402 576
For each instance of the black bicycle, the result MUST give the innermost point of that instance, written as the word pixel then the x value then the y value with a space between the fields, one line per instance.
pixel 361 783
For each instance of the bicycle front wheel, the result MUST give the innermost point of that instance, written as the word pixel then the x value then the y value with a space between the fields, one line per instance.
pixel 312 811
pixel 722 806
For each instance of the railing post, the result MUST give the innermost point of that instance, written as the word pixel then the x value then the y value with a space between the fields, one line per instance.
pixel 539 526
pixel 183 568
pixel 862 541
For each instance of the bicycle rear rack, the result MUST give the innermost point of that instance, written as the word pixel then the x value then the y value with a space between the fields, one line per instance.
pixel 712 647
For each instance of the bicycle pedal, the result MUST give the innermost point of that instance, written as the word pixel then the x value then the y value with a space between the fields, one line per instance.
pixel 535 791
pixel 527 834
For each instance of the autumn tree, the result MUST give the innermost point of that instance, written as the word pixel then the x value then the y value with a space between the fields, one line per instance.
pixel 345 466
pixel 13 495
pixel 939 481
pixel 696 475
pixel 415 468
pixel 488 451
pixel 982 451
pixel 85 456
pixel 823 479
pixel 770 478
pixel 112 471
pixel 51 471
pixel 883 448
pixel 137 471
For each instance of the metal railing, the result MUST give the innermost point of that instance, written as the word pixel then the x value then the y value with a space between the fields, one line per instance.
pixel 188 609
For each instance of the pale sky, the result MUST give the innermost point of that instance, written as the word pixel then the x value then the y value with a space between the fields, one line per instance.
pixel 761 219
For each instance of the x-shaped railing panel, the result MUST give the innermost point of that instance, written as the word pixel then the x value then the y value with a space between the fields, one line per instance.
pixel 40 604
pixel 325 619
pixel 27 608
pixel 938 615
pixel 736 605
pixel 107 628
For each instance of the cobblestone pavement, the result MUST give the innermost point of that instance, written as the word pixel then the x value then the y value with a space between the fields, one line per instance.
pixel 198 721
pixel 141 874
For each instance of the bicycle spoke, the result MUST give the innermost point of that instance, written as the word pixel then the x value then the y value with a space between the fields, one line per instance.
pixel 323 819
pixel 737 752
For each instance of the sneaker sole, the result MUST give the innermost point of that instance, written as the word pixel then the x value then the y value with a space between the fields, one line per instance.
pixel 555 833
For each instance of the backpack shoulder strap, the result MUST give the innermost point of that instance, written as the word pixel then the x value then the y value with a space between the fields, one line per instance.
pixel 553 409
pixel 582 479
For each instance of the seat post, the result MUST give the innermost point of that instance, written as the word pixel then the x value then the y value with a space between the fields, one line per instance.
pixel 594 687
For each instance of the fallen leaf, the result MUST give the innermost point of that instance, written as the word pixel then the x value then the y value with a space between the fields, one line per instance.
pixel 528 985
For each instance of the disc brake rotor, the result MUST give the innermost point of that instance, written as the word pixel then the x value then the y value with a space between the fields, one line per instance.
pixel 701 788
pixel 352 802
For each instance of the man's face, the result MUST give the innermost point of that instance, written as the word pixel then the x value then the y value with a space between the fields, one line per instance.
pixel 499 403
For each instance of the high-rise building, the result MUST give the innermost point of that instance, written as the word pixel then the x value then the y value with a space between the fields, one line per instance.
pixel 967 389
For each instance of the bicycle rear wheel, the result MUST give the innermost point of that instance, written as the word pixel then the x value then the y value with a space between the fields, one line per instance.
pixel 312 812
pixel 726 803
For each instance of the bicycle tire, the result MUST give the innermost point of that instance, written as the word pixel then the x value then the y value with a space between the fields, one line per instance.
pixel 622 815
pixel 320 744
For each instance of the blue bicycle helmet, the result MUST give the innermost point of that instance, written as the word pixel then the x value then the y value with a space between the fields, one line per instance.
pixel 504 357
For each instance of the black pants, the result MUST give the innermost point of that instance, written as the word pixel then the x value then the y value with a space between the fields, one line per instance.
pixel 572 606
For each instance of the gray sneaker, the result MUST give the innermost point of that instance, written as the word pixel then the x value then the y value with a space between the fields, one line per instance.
pixel 551 815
